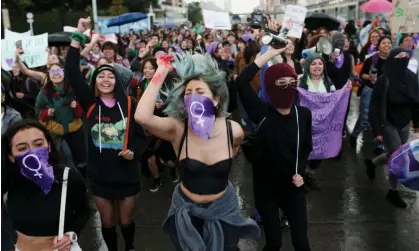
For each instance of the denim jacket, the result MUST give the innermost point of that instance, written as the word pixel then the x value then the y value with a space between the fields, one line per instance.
pixel 225 209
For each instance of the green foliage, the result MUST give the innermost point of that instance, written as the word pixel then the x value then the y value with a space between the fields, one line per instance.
pixel 117 8
pixel 23 4
pixel 195 13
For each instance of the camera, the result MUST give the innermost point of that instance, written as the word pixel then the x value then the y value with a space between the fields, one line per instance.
pixel 257 19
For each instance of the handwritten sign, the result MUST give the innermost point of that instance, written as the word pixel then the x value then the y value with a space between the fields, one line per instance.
pixel 328 118
pixel 405 16
pixel 34 48
pixel 8 34
pixel 294 17
pixel 216 20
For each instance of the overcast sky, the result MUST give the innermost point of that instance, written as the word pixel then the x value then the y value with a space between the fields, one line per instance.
pixel 237 6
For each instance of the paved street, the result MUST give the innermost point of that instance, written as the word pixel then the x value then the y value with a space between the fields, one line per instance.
pixel 349 213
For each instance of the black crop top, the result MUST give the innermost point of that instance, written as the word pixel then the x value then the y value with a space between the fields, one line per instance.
pixel 203 179
pixel 35 214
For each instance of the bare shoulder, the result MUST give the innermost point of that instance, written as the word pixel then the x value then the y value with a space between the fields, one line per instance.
pixel 237 130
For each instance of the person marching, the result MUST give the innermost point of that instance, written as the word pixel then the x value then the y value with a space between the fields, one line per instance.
pixel 284 143
pixel 205 213
pixel 115 142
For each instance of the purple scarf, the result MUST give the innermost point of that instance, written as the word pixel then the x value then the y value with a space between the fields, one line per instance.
pixel 339 60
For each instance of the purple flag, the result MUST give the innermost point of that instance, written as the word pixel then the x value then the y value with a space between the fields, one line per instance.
pixel 328 114
pixel 404 165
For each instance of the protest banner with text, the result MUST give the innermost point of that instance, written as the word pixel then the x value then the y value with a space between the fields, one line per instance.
pixel 34 51
pixel 216 20
pixel 328 118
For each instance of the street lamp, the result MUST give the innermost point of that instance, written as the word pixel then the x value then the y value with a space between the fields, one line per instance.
pixel 29 19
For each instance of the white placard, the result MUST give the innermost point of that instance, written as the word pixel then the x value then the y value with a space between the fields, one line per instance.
pixel 8 34
pixel 34 48
pixel 216 20
pixel 294 20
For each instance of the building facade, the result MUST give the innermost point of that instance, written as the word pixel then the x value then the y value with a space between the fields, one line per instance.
pixel 171 12
pixel 343 9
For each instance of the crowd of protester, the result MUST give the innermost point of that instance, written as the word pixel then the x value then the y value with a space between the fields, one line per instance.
pixel 114 109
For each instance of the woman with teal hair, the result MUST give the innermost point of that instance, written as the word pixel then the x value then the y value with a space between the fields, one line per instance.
pixel 205 213
pixel 315 79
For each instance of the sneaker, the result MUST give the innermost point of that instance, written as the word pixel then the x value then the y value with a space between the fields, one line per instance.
pixel 370 169
pixel 155 187
pixel 174 172
pixel 352 141
pixel 311 181
pixel 394 198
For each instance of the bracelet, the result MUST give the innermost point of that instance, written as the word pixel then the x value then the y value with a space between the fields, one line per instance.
pixel 79 37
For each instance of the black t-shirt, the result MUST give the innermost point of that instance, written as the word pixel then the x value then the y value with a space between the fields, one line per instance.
pixel 379 65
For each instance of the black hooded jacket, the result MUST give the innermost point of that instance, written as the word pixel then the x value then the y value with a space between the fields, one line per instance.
pixel 395 98
pixel 110 130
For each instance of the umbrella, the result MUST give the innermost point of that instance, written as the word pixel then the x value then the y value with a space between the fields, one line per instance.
pixel 59 38
pixel 404 165
pixel 318 20
pixel 127 18
pixel 377 6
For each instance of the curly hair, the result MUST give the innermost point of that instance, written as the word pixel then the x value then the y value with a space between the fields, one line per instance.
pixel 196 67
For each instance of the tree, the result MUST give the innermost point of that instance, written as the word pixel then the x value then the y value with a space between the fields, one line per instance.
pixel 195 13
pixel 141 6
pixel 117 8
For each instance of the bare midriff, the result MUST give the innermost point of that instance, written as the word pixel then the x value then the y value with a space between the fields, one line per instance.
pixel 30 243
pixel 199 198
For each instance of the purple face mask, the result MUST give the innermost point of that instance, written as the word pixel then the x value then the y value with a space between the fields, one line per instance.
pixel 201 114
pixel 34 166
pixel 58 70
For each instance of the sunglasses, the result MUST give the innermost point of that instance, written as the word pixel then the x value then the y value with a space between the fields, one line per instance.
pixel 283 84
pixel 58 70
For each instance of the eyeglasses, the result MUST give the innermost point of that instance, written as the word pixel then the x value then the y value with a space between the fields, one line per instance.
pixel 58 70
pixel 283 84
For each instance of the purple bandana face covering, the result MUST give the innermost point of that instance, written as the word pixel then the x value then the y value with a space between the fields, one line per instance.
pixel 34 166
pixel 201 114
pixel 339 60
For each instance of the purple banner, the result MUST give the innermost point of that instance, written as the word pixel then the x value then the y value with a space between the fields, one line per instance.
pixel 328 114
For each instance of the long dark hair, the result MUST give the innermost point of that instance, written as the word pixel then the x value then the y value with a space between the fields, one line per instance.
pixel 11 132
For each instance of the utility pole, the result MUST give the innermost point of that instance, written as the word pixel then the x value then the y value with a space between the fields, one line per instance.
pixel 94 8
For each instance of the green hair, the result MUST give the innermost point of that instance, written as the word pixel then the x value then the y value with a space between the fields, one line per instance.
pixel 196 67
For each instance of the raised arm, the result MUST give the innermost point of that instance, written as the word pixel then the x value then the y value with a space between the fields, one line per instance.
pixel 164 128
pixel 72 72
pixel 86 51
pixel 255 108
pixel 38 75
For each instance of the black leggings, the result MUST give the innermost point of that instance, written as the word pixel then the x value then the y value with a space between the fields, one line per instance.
pixel 295 210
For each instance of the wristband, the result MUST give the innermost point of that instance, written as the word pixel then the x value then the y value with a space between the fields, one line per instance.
pixel 79 37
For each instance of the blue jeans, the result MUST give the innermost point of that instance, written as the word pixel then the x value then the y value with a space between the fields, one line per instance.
pixel 362 123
